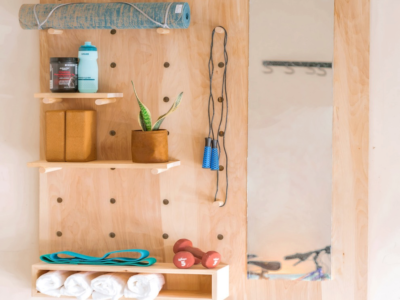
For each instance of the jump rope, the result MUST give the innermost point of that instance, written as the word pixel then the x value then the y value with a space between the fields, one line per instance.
pixel 212 150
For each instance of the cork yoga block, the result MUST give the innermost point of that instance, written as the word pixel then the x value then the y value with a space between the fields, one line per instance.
pixel 71 135
pixel 55 135
pixel 80 136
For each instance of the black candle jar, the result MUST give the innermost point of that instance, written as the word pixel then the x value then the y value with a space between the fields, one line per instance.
pixel 64 74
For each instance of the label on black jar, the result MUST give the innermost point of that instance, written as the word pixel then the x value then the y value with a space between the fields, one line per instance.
pixel 63 76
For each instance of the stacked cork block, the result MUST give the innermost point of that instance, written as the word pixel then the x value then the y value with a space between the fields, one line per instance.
pixel 71 136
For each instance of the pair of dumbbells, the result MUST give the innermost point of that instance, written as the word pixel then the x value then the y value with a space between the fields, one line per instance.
pixel 186 256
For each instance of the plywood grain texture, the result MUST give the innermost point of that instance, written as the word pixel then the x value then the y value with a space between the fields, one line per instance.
pixel 138 218
pixel 350 169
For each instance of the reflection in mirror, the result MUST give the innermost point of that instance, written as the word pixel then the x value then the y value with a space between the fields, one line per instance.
pixel 290 139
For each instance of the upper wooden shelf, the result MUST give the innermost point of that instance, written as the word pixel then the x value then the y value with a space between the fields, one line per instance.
pixel 157 168
pixel 215 289
pixel 101 98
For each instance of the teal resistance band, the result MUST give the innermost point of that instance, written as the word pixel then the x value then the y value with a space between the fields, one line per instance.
pixel 80 259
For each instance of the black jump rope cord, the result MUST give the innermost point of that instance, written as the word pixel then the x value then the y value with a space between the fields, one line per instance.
pixel 211 110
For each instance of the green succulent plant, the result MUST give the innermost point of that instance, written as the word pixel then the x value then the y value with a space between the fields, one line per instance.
pixel 144 117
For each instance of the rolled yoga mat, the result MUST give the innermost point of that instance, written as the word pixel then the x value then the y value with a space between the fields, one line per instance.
pixel 80 259
pixel 117 15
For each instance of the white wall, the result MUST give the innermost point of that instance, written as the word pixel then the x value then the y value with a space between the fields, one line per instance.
pixel 19 144
pixel 384 172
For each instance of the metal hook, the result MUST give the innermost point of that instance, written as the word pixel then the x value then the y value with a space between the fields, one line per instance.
pixel 312 71
pixel 270 70
pixel 323 72
pixel 290 69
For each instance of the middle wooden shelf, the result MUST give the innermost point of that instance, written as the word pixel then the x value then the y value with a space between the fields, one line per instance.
pixel 156 168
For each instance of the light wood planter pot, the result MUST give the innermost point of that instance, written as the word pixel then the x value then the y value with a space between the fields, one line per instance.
pixel 149 146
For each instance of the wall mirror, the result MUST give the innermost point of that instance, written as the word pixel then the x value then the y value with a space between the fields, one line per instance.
pixel 290 139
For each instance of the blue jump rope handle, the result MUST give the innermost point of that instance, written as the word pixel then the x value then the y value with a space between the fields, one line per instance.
pixel 207 158
pixel 207 154
pixel 214 156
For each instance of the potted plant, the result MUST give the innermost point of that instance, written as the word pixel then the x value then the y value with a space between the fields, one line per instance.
pixel 150 145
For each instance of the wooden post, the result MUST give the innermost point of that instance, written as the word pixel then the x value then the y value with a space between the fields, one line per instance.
pixel 219 30
pixel 171 165
pixel 158 171
pixel 162 31
pixel 218 203
pixel 105 101
pixel 51 100
pixel 54 31
pixel 44 170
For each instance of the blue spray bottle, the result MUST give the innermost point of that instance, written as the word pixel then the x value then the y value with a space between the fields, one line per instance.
pixel 88 70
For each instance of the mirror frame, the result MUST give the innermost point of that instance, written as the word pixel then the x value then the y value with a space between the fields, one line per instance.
pixel 350 168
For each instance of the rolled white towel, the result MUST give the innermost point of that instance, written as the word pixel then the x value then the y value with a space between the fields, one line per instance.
pixel 109 286
pixel 78 285
pixel 51 282
pixel 144 286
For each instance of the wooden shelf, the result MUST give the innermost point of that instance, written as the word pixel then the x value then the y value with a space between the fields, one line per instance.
pixel 101 98
pixel 157 168
pixel 217 289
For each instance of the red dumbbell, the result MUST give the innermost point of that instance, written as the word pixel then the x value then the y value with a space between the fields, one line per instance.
pixel 209 260
pixel 184 260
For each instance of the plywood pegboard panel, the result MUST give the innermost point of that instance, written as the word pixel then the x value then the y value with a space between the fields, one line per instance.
pixel 138 218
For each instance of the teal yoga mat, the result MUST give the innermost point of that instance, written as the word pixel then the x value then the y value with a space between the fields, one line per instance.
pixel 115 15
pixel 80 259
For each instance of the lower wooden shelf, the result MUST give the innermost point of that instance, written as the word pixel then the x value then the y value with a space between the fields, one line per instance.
pixel 215 283
pixel 46 167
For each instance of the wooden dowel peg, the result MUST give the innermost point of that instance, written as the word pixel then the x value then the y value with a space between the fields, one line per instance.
pixel 219 30
pixel 51 100
pixel 162 31
pixel 43 170
pixel 158 171
pixel 54 31
pixel 170 165
pixel 218 203
pixel 105 101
